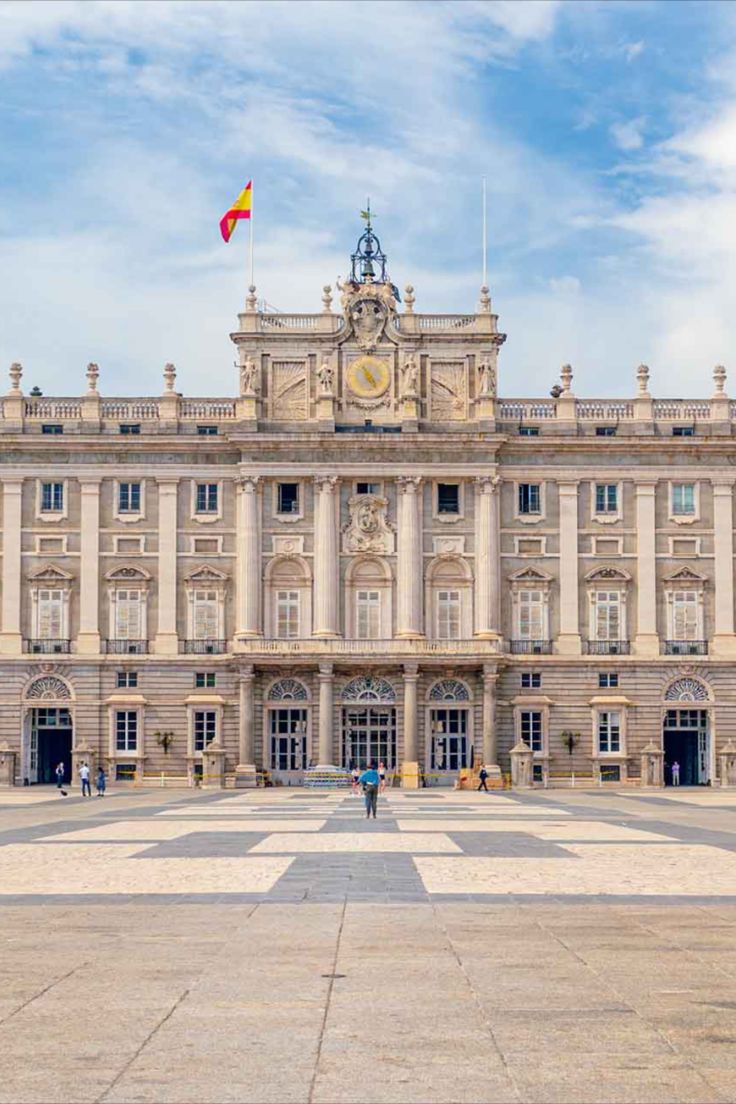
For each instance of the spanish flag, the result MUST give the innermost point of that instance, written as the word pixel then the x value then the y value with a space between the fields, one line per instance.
pixel 239 210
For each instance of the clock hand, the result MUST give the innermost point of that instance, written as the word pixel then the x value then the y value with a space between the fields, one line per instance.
pixel 370 377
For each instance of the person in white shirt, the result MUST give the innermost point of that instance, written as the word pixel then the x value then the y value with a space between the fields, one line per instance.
pixel 84 776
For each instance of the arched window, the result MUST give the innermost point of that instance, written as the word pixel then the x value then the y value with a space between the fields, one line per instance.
pixel 686 689
pixel 288 598
pixel 368 688
pixel 368 599
pixel 449 598
pixel 48 688
pixel 287 689
pixel 449 690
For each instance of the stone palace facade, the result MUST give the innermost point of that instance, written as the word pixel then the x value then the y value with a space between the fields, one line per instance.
pixel 368 554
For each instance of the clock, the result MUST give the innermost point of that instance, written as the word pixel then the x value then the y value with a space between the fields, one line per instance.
pixel 368 377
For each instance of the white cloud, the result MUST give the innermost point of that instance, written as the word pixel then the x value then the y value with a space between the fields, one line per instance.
pixel 632 50
pixel 629 135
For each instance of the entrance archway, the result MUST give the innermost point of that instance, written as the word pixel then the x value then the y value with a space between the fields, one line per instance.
pixel 686 733
pixel 369 723
pixel 48 730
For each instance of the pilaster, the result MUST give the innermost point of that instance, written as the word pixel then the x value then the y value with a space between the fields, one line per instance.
pixel 487 558
pixel 410 580
pixel 325 556
pixel 490 736
pixel 11 640
pixel 410 764
pixel 88 640
pixel 568 642
pixel 245 771
pixel 167 638
pixel 249 603
pixel 724 640
pixel 326 678
pixel 647 638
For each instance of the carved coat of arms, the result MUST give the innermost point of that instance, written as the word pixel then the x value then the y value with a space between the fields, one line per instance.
pixel 368 530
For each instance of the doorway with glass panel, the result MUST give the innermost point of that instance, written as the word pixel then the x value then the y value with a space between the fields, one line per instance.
pixel 288 743
pixel 685 740
pixel 369 735
pixel 49 742
pixel 449 748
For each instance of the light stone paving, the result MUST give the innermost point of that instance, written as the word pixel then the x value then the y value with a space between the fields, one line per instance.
pixel 579 948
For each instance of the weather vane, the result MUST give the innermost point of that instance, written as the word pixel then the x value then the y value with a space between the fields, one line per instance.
pixel 366 214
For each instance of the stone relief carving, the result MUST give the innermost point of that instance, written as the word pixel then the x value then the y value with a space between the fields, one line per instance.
pixel 486 380
pixel 288 546
pixel 325 379
pixel 367 309
pixel 444 545
pixel 409 378
pixel 289 390
pixel 249 378
pixel 448 390
pixel 368 530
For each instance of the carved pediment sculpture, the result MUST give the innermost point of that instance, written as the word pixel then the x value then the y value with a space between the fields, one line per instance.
pixel 367 309
pixel 368 530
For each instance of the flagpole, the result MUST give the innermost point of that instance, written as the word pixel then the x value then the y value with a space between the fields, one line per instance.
pixel 485 241
pixel 250 236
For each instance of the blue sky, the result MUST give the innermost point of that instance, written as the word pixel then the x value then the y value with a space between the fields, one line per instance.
pixel 606 131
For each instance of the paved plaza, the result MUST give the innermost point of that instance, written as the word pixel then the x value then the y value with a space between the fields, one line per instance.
pixel 275 946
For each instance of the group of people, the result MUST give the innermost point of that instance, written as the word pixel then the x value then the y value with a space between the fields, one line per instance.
pixel 85 777
pixel 373 782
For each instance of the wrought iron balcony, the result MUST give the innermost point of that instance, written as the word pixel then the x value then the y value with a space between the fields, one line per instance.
pixel 46 647
pixel 607 647
pixel 686 647
pixel 205 647
pixel 530 647
pixel 126 647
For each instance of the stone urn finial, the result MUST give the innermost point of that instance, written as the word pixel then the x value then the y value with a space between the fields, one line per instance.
pixel 169 376
pixel 719 378
pixel 642 376
pixel 327 299
pixel 409 299
pixel 566 377
pixel 251 301
pixel 485 300
pixel 93 374
pixel 15 373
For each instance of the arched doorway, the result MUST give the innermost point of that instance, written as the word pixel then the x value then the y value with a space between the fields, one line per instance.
pixel 686 733
pixel 449 731
pixel 48 730
pixel 288 718
pixel 369 722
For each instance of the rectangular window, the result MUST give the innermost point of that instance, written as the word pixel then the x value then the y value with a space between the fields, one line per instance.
pixel 368 488
pixel 205 615
pixel 206 498
pixel 49 430
pixel 206 430
pixel 606 498
pixel 128 615
pixel 531 729
pixel 683 431
pixel 685 605
pixel 50 614
pixel 130 430
pixel 288 498
pixel 368 614
pixel 287 614
pixel 127 680
pixel 683 498
pixel 609 732
pixel 52 498
pixel 448 614
pixel 530 499
pixel 608 680
pixel 531 680
pixel 605 431
pixel 205 680
pixel 531 615
pixel 126 730
pixel 528 431
pixel 205 728
pixel 607 604
pixel 129 498
pixel 448 498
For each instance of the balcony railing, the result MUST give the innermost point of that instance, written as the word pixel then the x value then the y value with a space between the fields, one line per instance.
pixel 338 646
pixel 607 647
pixel 46 647
pixel 126 647
pixel 530 647
pixel 685 647
pixel 205 647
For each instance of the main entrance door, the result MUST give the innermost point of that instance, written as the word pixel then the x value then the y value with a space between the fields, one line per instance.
pixel 50 742
pixel 449 747
pixel 685 741
pixel 369 733
pixel 288 732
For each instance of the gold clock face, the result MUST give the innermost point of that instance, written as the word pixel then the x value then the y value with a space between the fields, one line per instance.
pixel 368 376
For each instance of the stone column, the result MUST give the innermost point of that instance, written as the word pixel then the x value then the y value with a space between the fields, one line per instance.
pixel 410 764
pixel 326 687
pixel 647 640
pixel 88 641
pixel 245 771
pixel 325 556
pixel 568 642
pixel 167 639
pixel 11 640
pixel 490 738
pixel 487 558
pixel 410 566
pixel 724 641
pixel 249 615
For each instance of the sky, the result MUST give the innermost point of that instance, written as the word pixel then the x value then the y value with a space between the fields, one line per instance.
pixel 606 132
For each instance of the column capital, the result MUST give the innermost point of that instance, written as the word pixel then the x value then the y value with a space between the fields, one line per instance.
pixel 89 483
pixel 248 483
pixel 12 486
pixel 490 676
pixel 722 485
pixel 488 484
pixel 167 482
pixel 326 672
pixel 646 485
pixel 247 673
pixel 568 486
pixel 326 484
pixel 408 484
pixel 411 672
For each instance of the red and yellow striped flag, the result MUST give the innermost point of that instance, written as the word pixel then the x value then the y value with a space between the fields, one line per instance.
pixel 239 210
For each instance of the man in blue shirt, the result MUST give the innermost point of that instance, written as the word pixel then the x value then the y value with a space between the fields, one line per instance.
pixel 369 780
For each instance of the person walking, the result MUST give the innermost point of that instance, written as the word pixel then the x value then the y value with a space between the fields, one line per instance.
pixel 382 775
pixel 483 779
pixel 59 772
pixel 84 776
pixel 101 782
pixel 370 782
pixel 675 773
pixel 355 775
